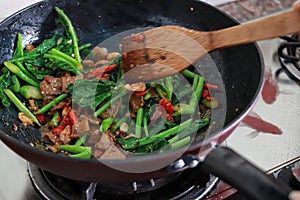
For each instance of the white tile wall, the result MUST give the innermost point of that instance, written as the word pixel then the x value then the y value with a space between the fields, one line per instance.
pixel 8 7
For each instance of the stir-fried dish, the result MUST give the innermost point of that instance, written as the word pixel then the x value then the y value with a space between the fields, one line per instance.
pixel 85 109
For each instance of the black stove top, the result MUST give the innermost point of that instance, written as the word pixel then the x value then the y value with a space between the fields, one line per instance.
pixel 191 184
pixel 25 181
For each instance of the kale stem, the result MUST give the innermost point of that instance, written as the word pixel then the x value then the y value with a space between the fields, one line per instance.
pixel 70 28
pixel 85 46
pixel 165 134
pixel 168 91
pixel 67 57
pixel 51 104
pixel 19 49
pixel 138 123
pixel 170 86
pixel 80 141
pixel 54 57
pixel 181 143
pixel 159 91
pixel 72 148
pixel 197 88
pixel 25 71
pixel 187 73
pixel 14 69
pixel 87 154
pixel 20 105
pixel 119 122
pixel 108 103
pixel 145 124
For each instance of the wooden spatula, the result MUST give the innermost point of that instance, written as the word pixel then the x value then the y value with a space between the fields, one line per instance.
pixel 166 50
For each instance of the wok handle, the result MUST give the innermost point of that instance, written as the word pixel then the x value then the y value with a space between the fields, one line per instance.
pixel 244 176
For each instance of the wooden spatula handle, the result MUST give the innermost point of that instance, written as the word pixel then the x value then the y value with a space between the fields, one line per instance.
pixel 274 26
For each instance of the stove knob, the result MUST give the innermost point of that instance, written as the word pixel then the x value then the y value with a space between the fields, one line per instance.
pixel 295 179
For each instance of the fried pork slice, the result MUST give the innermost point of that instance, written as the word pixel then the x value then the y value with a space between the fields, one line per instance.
pixel 136 102
pixel 65 135
pixel 25 119
pixel 104 142
pixel 53 138
pixel 113 153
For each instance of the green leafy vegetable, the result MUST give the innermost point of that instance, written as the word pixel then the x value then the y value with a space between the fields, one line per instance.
pixel 70 31
pixel 21 106
pixel 90 92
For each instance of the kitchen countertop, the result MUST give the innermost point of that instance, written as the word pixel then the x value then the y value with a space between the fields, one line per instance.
pixel 245 10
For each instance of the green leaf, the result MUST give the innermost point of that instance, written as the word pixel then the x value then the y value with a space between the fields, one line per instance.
pixel 156 145
pixel 44 47
pixel 39 72
pixel 129 143
pixel 19 49
pixel 90 92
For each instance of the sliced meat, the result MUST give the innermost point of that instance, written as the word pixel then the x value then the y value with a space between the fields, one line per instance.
pixel 66 80
pixel 97 153
pixel 64 136
pixel 100 53
pixel 159 111
pixel 58 106
pixel 51 86
pixel 53 138
pixel 94 137
pixel 25 119
pixel 74 134
pixel 53 149
pixel 153 93
pixel 139 87
pixel 113 153
pixel 83 125
pixel 136 102
pixel 111 111
pixel 32 105
pixel 92 119
pixel 88 63
pixel 104 142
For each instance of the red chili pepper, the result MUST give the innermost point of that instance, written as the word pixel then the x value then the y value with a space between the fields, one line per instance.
pixel 167 106
pixel 65 121
pixel 124 55
pixel 113 124
pixel 73 117
pixel 41 118
pixel 141 93
pixel 59 129
pixel 99 71
pixel 210 86
pixel 59 119
pixel 169 117
pixel 205 93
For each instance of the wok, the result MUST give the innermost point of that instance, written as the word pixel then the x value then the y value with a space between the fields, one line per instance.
pixel 241 69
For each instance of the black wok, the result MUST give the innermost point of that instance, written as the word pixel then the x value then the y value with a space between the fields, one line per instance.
pixel 241 69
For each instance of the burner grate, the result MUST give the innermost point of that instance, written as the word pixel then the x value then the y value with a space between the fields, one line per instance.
pixel 289 56
pixel 190 184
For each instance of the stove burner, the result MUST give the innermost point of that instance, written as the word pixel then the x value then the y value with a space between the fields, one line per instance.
pixel 289 56
pixel 190 184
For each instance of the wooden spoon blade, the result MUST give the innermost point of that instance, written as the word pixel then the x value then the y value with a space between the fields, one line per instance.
pixel 158 53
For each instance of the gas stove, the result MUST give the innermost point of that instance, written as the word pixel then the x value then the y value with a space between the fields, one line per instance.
pixel 269 139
